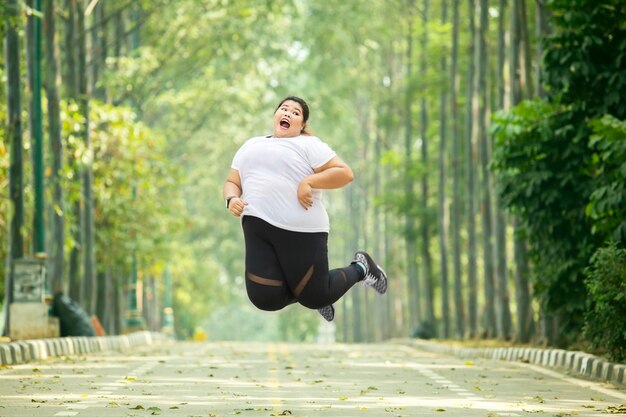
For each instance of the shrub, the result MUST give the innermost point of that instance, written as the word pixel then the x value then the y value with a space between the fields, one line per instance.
pixel 605 321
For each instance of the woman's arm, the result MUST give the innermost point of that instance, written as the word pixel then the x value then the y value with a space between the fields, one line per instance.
pixel 333 174
pixel 232 188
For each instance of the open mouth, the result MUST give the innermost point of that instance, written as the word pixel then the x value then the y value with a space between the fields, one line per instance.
pixel 285 123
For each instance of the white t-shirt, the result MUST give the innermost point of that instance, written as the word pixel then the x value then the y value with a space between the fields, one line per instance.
pixel 271 170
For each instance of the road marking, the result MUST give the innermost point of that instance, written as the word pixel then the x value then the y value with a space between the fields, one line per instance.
pixel 66 413
pixel 273 381
pixel 433 376
pixel 77 406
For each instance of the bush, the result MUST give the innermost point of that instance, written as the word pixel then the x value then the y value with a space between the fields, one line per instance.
pixel 605 321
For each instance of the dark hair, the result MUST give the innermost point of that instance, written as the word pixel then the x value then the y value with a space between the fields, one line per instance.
pixel 305 109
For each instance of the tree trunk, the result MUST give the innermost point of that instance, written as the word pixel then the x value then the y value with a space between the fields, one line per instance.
pixel 71 84
pixel 101 307
pixel 443 212
pixel 120 302
pixel 395 325
pixel 70 79
pixel 525 322
pixel 541 29
pixel 503 308
pixel 481 133
pixel 413 284
pixel 425 221
pixel 370 308
pixel 456 177
pixel 14 136
pixel 526 60
pixel 120 30
pixel 88 242
pixel 107 315
pixel 471 202
pixel 57 220
pixel 357 314
pixel 33 69
pixel 98 49
pixel 378 229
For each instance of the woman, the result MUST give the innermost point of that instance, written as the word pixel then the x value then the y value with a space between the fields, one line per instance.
pixel 275 185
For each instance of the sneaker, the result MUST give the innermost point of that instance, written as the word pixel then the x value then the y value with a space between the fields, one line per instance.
pixel 375 277
pixel 327 312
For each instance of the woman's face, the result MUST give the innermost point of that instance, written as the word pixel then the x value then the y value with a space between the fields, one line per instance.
pixel 288 120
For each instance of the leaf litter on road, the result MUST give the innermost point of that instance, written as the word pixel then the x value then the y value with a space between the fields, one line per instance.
pixel 616 409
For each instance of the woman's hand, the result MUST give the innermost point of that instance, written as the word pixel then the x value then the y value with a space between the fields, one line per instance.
pixel 236 206
pixel 305 194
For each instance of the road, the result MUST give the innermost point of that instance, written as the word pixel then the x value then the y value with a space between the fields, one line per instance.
pixel 314 380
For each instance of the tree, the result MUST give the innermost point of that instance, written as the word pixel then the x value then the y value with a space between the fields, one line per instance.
pixel 472 296
pixel 442 203
pixel 456 177
pixel 429 316
pixel 89 287
pixel 414 286
pixel 525 321
pixel 543 159
pixel 14 133
pixel 72 92
pixel 56 218
pixel 500 252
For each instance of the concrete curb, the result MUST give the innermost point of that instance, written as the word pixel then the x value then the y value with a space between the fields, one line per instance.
pixel 24 351
pixel 578 364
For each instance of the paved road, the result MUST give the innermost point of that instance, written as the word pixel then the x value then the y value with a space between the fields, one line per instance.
pixel 256 379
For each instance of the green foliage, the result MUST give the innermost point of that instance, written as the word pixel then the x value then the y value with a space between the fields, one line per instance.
pixel 541 160
pixel 605 321
pixel 138 203
pixel 585 60
pixel 607 205
pixel 567 198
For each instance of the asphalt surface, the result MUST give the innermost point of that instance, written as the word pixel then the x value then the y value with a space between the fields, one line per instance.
pixel 312 380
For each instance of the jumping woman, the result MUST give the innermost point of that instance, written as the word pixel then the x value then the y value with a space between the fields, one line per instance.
pixel 275 185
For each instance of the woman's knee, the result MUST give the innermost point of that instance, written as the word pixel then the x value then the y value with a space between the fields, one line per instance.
pixel 266 303
pixel 313 300
pixel 267 298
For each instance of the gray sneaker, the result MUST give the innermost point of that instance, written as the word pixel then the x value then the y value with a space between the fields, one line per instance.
pixel 327 312
pixel 375 276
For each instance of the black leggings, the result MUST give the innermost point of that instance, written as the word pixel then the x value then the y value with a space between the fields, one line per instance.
pixel 284 267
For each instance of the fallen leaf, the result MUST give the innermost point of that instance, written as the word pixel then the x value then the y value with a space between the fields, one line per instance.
pixel 617 409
